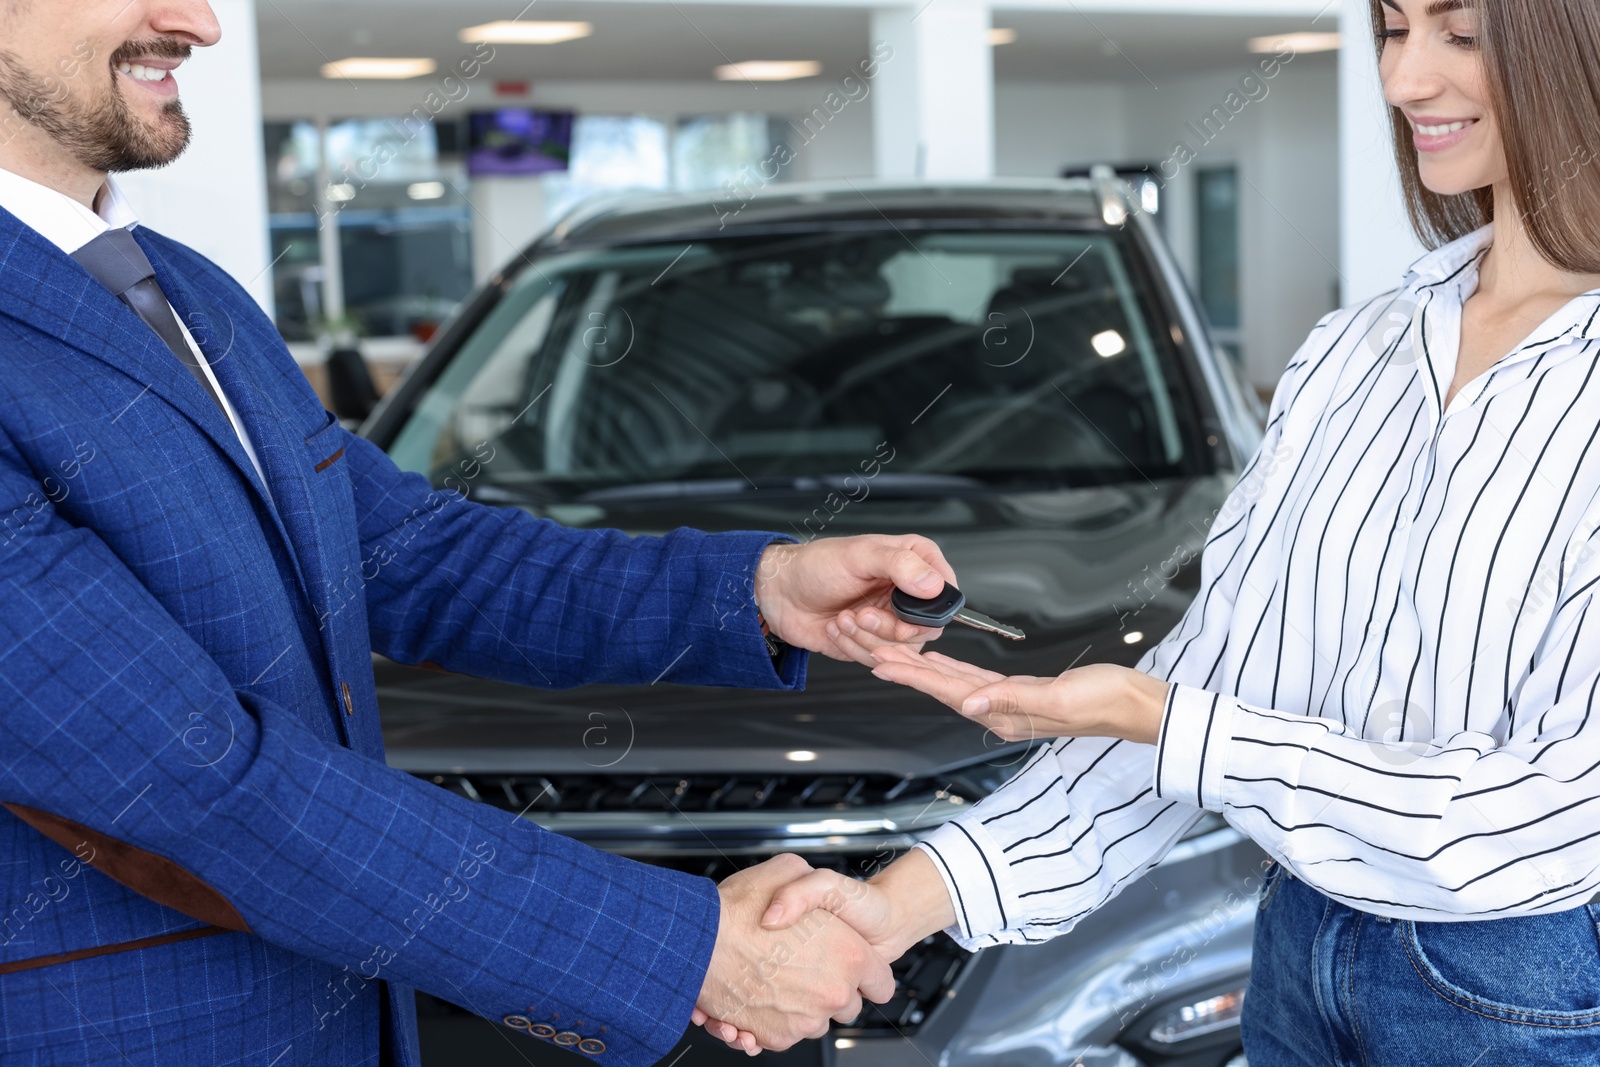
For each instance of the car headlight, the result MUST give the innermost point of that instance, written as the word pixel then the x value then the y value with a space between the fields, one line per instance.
pixel 1199 1018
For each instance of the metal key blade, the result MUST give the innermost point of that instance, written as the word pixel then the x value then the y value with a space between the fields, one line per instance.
pixel 979 621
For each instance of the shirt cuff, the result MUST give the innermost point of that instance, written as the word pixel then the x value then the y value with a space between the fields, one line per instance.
pixel 1192 750
pixel 971 865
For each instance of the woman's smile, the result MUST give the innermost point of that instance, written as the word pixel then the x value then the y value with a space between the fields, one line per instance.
pixel 1430 133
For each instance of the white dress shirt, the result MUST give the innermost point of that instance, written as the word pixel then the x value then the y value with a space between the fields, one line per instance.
pixel 1383 679
pixel 69 226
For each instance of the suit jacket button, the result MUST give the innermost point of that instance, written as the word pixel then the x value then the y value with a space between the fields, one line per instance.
pixel 592 1045
pixel 544 1030
pixel 566 1037
pixel 517 1022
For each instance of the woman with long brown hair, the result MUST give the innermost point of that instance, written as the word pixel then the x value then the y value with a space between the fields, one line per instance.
pixel 1388 676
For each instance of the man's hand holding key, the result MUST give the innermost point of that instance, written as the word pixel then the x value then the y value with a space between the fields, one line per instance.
pixel 808 593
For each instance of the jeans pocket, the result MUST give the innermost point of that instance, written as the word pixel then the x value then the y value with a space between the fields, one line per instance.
pixel 1269 884
pixel 1537 969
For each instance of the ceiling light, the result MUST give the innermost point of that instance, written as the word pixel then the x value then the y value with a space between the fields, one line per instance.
pixel 516 31
pixel 768 70
pixel 339 192
pixel 800 756
pixel 1108 343
pixel 425 190
pixel 1002 35
pixel 375 67
pixel 1133 637
pixel 1295 42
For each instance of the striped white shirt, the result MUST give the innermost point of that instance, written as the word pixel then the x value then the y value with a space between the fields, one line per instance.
pixel 1387 676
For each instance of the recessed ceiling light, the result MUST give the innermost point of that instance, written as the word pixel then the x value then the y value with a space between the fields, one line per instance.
pixel 768 70
pixel 1002 35
pixel 376 67
pixel 1133 637
pixel 517 31
pixel 800 755
pixel 1295 42
pixel 425 190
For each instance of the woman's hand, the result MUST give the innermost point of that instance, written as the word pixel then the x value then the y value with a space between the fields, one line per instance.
pixel 899 907
pixel 1099 700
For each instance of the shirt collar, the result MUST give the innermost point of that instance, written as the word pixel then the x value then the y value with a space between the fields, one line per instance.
pixel 1448 259
pixel 58 218
pixel 1582 313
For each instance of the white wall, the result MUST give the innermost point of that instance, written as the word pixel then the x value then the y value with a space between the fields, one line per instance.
pixel 1379 243
pixel 213 198
pixel 1287 156
pixel 1283 144
pixel 934 104
pixel 1041 127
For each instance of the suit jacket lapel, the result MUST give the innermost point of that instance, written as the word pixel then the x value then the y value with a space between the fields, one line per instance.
pixel 229 342
pixel 47 289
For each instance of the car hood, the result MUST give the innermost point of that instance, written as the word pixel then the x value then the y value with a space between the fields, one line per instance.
pixel 1080 570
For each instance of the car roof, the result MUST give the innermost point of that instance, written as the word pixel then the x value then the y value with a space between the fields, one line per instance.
pixel 649 217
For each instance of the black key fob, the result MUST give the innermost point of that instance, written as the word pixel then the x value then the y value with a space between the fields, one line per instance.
pixel 934 611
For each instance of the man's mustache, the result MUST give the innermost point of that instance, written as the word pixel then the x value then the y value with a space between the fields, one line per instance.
pixel 152 48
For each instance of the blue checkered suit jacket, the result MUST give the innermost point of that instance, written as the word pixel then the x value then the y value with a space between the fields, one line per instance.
pixel 187 702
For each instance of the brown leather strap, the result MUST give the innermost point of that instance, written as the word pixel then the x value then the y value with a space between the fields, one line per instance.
pixel 143 872
pixel 106 950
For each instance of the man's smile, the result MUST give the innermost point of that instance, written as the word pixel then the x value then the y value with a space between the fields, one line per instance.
pixel 150 74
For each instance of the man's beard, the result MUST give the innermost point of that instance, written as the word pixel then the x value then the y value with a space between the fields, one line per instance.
pixel 102 134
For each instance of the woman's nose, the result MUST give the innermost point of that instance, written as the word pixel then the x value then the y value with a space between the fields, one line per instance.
pixel 1409 73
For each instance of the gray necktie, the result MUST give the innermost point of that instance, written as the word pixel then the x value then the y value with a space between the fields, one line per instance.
pixel 116 259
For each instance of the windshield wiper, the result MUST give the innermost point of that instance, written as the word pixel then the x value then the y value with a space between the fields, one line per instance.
pixel 903 484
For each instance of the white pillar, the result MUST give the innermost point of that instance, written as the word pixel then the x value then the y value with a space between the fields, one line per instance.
pixel 933 99
pixel 1376 242
pixel 507 214
pixel 214 198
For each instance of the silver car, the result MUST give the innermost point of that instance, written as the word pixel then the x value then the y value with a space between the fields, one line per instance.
pixel 1014 369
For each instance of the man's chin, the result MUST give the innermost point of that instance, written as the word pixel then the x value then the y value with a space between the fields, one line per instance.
pixel 156 142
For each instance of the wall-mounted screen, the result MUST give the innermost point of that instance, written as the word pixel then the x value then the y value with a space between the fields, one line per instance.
pixel 513 141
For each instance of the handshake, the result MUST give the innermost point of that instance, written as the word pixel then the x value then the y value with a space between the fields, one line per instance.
pixel 797 947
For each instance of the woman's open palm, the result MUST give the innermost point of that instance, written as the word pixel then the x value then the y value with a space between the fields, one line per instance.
pixel 1088 701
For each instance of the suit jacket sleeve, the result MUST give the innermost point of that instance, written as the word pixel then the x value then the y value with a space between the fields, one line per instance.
pixel 316 848
pixel 497 593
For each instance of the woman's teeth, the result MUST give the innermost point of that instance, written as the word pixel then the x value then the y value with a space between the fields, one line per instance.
pixel 139 72
pixel 1440 131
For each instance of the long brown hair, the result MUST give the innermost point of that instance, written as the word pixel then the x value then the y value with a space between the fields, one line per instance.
pixel 1541 61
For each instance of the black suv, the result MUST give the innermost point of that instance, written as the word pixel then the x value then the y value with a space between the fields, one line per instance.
pixel 1015 370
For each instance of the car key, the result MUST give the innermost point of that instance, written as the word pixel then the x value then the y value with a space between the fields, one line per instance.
pixel 949 606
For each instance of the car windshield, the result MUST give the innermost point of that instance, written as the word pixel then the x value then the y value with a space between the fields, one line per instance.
pixel 741 363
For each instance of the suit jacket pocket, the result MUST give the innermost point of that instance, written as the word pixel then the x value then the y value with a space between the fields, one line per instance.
pixel 325 444
pixel 94 999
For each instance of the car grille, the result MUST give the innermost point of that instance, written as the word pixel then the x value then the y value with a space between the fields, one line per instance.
pixel 927 972
pixel 696 793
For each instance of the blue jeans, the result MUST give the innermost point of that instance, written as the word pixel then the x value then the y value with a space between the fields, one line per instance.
pixel 1334 987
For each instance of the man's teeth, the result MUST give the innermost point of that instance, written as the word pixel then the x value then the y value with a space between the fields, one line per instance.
pixel 1440 131
pixel 139 72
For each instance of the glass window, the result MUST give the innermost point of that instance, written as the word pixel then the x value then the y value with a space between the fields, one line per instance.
pixel 293 155
pixel 1016 359
pixel 1219 245
pixel 709 151
pixel 610 153
pixel 404 226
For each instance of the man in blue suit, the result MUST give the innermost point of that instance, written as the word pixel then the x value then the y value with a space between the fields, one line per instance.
pixel 205 859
